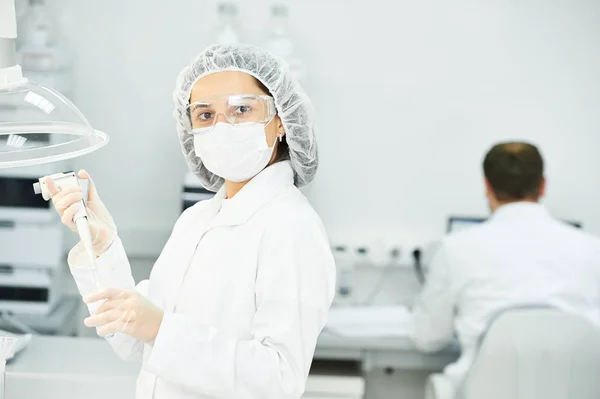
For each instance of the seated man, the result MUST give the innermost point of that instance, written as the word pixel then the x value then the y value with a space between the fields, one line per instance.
pixel 520 256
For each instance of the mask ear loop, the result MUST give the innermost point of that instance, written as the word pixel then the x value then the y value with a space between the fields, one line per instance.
pixel 273 109
pixel 275 142
pixel 279 135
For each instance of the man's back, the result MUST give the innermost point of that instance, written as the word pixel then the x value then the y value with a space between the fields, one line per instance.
pixel 521 256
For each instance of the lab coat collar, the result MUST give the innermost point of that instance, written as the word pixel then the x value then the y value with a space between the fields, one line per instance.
pixel 257 192
pixel 221 212
pixel 519 210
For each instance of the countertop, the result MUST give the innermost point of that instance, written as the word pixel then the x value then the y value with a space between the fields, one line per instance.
pixel 73 368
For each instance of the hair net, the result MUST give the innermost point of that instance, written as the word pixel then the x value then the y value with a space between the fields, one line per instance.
pixel 293 106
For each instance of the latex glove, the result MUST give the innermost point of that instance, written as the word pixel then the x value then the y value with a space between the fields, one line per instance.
pixel 66 202
pixel 124 311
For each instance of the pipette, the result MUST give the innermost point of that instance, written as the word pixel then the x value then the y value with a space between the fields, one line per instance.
pixel 68 180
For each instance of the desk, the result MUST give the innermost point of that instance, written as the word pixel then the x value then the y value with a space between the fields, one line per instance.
pixel 73 368
pixel 382 353
pixel 69 368
pixel 392 367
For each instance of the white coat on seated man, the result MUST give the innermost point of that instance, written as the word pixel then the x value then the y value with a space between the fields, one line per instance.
pixel 520 256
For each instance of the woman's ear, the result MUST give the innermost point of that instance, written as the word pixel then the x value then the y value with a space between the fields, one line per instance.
pixel 280 128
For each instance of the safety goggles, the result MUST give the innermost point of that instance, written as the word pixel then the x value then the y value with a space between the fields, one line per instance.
pixel 235 108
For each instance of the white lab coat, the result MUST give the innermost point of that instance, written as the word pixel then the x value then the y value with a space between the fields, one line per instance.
pixel 245 284
pixel 520 256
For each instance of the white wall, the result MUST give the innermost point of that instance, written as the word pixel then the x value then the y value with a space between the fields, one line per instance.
pixel 409 97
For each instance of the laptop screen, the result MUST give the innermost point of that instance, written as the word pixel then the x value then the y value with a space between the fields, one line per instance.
pixel 458 223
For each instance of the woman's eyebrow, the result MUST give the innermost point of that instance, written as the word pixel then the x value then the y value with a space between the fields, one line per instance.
pixel 200 105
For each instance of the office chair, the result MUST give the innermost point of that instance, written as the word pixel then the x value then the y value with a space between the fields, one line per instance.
pixel 532 354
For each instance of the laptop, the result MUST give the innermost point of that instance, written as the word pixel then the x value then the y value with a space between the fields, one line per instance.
pixel 458 223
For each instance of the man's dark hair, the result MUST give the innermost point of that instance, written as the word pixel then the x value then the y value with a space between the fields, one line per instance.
pixel 515 170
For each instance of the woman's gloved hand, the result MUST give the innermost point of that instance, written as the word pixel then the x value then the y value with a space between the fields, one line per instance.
pixel 124 311
pixel 66 202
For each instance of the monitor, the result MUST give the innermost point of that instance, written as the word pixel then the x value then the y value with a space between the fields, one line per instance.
pixel 458 223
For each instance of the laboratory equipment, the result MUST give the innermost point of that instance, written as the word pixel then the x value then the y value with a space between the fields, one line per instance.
pixel 30 290
pixel 193 191
pixel 6 350
pixel 49 126
pixel 80 218
pixel 21 8
pixel 31 281
pixel 69 180
pixel 18 203
pixel 227 30
pixel 279 41
pixel 41 52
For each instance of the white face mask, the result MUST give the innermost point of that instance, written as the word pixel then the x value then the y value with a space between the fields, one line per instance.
pixel 235 153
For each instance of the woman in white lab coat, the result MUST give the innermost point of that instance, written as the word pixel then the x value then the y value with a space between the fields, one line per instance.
pixel 241 290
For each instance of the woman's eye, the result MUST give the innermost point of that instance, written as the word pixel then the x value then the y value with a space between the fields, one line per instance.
pixel 243 109
pixel 204 116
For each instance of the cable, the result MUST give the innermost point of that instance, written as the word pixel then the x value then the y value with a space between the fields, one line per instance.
pixel 395 254
pixel 377 288
pixel 417 266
